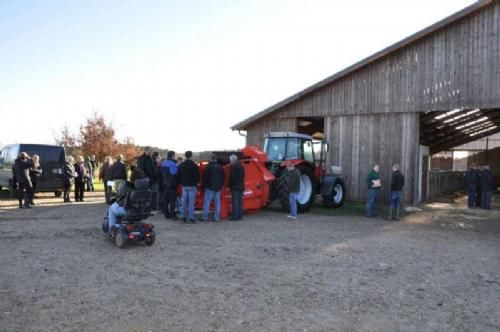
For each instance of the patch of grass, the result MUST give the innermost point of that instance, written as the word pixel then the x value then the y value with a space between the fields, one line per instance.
pixel 98 186
pixel 348 209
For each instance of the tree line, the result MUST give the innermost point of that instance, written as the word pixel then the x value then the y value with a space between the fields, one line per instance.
pixel 96 136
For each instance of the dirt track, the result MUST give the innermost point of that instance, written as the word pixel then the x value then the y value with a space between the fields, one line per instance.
pixel 438 270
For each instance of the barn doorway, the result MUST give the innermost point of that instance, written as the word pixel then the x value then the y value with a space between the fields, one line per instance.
pixel 312 126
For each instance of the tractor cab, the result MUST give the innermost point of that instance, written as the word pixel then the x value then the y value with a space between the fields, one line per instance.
pixel 281 146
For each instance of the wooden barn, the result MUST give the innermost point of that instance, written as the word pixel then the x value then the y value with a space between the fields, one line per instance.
pixel 428 93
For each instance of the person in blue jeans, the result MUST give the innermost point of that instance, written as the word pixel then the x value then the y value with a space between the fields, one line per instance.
pixel 213 180
pixel 374 184
pixel 189 175
pixel 397 183
pixel 117 209
pixel 293 182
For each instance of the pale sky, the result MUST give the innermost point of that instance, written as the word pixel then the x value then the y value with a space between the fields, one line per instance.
pixel 178 74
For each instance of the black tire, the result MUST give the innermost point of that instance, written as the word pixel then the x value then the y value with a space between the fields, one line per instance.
pixel 58 193
pixel 121 238
pixel 105 226
pixel 151 240
pixel 336 198
pixel 304 203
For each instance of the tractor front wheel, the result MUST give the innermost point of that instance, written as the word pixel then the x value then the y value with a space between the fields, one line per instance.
pixel 336 197
pixel 305 196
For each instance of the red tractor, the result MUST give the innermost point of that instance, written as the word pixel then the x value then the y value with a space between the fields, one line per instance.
pixel 266 175
pixel 308 156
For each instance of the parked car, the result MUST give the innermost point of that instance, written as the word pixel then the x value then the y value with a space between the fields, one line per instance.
pixel 52 159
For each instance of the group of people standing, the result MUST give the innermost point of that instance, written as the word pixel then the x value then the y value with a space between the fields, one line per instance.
pixel 374 184
pixel 166 175
pixel 80 174
pixel 480 186
pixel 186 173
pixel 26 171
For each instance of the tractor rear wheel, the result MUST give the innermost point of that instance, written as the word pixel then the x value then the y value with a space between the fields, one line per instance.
pixel 305 197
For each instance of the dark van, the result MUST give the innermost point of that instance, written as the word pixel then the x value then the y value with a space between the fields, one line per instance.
pixel 52 159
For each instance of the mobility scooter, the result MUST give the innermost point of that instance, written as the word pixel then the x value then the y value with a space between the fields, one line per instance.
pixel 130 227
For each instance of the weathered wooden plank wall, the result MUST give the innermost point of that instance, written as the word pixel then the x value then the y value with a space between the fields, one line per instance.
pixel 361 140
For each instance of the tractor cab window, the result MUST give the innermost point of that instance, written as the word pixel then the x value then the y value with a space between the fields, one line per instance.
pixel 308 151
pixel 293 149
pixel 275 148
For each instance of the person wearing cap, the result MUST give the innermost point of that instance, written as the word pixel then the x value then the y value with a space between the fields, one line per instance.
pixel 189 175
pixel 293 182
pixel 213 180
pixel 237 187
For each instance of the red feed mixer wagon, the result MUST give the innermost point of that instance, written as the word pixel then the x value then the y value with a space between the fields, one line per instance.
pixel 266 175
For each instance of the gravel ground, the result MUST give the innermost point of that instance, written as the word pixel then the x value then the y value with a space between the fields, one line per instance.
pixel 436 270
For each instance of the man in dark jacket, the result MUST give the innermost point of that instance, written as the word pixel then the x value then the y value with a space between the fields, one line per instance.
pixel 35 172
pixel 374 184
pixel 21 170
pixel 155 182
pixel 293 182
pixel 237 187
pixel 488 186
pixel 169 171
pixel 213 181
pixel 397 183
pixel 119 172
pixel 471 180
pixel 147 164
pixel 189 175
pixel 81 174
